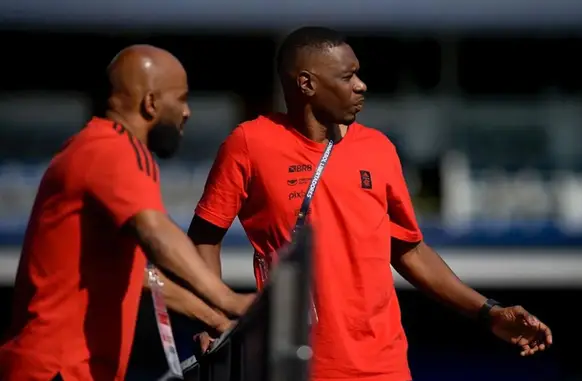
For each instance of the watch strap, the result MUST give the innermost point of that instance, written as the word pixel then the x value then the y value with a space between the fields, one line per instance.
pixel 483 314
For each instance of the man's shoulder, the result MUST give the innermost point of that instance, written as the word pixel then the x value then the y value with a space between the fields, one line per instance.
pixel 83 145
pixel 380 138
pixel 101 144
pixel 106 138
pixel 256 134
pixel 263 124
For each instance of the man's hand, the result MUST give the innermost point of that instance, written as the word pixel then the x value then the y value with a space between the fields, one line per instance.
pixel 206 339
pixel 517 326
pixel 242 303
pixel 224 327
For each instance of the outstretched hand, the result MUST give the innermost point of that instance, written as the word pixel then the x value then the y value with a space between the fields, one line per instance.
pixel 517 326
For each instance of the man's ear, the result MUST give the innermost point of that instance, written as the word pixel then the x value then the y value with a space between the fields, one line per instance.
pixel 306 83
pixel 148 106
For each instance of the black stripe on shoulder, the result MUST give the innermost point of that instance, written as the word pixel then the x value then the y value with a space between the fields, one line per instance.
pixel 155 170
pixel 150 162
pixel 146 157
pixel 118 128
pixel 137 152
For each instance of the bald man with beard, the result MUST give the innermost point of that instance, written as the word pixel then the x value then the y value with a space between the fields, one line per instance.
pixel 97 216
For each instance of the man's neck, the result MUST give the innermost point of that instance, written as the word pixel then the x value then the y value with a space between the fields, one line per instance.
pixel 128 123
pixel 316 131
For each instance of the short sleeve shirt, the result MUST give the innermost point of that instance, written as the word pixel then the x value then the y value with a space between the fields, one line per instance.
pixel 261 174
pixel 79 280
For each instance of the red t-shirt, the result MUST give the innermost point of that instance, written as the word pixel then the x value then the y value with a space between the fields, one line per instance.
pixel 261 174
pixel 80 275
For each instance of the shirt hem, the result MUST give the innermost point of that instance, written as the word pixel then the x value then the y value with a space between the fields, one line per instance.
pixel 213 218
pixel 404 235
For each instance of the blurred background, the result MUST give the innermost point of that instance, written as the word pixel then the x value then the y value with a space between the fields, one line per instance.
pixel 482 98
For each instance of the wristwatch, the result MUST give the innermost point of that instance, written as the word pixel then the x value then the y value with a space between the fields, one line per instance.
pixel 483 314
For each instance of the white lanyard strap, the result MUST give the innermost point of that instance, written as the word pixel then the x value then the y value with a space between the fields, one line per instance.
pixel 163 322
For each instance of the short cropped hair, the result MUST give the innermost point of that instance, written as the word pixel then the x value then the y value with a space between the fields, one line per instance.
pixel 311 37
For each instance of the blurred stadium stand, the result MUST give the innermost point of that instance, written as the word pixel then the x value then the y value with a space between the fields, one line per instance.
pixel 483 100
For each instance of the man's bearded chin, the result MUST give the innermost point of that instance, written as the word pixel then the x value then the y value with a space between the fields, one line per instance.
pixel 164 140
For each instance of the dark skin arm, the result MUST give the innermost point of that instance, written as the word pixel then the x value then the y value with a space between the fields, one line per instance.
pixel 170 250
pixel 186 303
pixel 207 238
pixel 425 269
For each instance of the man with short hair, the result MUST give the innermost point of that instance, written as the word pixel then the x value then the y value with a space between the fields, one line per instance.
pixel 361 214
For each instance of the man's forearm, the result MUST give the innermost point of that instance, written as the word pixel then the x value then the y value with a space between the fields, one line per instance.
pixel 184 302
pixel 211 255
pixel 427 271
pixel 207 238
pixel 169 249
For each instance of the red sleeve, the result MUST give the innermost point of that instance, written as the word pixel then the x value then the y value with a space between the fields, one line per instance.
pixel 403 220
pixel 226 186
pixel 125 179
